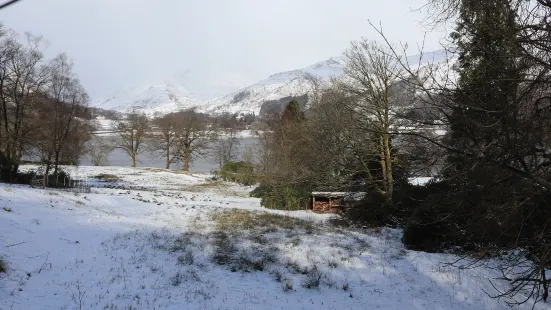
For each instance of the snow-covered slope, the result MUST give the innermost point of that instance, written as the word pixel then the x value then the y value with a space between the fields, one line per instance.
pixel 162 98
pixel 279 85
pixel 303 81
pixel 155 239
pixel 172 96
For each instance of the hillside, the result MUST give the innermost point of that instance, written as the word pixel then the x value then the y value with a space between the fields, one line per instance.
pixel 173 96
pixel 162 98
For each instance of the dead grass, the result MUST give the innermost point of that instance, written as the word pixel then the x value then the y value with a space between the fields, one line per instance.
pixel 212 184
pixel 238 220
pixel 248 241
pixel 107 177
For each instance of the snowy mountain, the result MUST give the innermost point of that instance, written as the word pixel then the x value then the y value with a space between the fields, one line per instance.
pixel 279 85
pixel 162 98
pixel 204 84
pixel 173 96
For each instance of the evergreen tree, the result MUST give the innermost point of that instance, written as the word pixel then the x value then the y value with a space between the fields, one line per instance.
pixel 292 112
pixel 497 182
pixel 485 102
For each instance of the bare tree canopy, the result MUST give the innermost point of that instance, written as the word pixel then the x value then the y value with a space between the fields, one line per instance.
pixel 180 137
pixel 6 4
pixel 131 134
pixel 42 106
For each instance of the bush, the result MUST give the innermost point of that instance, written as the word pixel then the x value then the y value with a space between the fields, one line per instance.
pixel 3 266
pixel 186 258
pixel 461 217
pixel 313 278
pixel 107 177
pixel 24 177
pixel 374 211
pixel 427 229
pixel 282 198
pixel 240 172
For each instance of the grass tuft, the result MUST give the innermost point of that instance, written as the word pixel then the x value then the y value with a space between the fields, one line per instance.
pixel 107 177
pixel 3 266
pixel 235 219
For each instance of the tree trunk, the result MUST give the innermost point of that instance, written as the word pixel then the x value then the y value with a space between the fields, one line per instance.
pixel 47 171
pixel 56 164
pixel 187 157
pixel 168 161
pixel 388 169
pixel 133 160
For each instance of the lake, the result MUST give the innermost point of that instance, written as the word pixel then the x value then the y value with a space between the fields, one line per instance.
pixel 202 164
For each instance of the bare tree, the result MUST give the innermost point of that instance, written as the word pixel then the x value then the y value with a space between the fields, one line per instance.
pixel 225 148
pixel 194 136
pixel 131 134
pixel 58 122
pixel 370 73
pixel 23 76
pixel 165 138
pixel 99 151
pixel 5 5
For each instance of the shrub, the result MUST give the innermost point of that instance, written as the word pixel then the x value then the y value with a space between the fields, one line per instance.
pixel 374 211
pixel 312 279
pixel 186 258
pixel 107 177
pixel 239 172
pixel 24 177
pixel 176 279
pixel 345 286
pixel 288 285
pixel 282 197
pixel 427 231
pixel 224 249
pixel 3 266
pixel 449 218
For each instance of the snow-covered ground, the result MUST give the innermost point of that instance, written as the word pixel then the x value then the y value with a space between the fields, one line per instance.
pixel 156 239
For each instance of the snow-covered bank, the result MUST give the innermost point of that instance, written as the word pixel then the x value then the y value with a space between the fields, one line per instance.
pixel 114 249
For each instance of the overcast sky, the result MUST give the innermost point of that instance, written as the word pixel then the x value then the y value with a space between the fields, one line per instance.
pixel 118 44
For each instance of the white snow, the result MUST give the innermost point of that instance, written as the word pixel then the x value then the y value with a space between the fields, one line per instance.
pixel 173 95
pixel 162 98
pixel 420 181
pixel 111 249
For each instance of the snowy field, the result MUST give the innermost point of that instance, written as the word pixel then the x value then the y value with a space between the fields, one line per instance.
pixel 156 239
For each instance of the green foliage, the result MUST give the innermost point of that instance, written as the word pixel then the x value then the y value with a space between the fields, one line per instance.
pixel 24 177
pixel 292 112
pixel 240 172
pixel 282 197
pixel 8 169
pixel 475 218
pixel 428 229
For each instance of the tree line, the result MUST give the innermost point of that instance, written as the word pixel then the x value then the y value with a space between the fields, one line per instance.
pixel 177 138
pixel 43 106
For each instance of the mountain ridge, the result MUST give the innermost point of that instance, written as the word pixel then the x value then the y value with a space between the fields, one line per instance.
pixel 172 96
